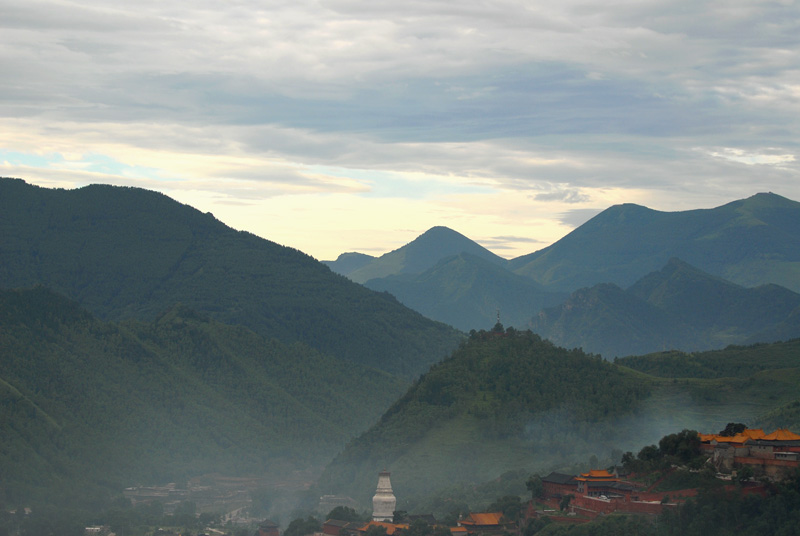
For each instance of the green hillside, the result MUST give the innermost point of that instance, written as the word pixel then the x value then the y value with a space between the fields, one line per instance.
pixel 750 242
pixel 468 292
pixel 498 403
pixel 127 253
pixel 731 362
pixel 98 406
pixel 677 307
pixel 510 401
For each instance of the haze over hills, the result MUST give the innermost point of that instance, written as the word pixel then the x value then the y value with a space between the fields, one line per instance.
pixel 183 346
pixel 466 291
pixel 130 253
pixel 750 242
pixel 101 406
pixel 677 307
pixel 509 400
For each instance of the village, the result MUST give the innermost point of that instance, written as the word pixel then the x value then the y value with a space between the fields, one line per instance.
pixel 745 460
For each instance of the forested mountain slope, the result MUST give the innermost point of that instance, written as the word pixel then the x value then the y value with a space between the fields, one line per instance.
pixel 99 406
pixel 468 292
pixel 509 401
pixel 500 402
pixel 677 307
pixel 750 242
pixel 129 253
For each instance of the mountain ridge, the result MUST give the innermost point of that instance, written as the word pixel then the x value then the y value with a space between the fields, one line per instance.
pixel 678 307
pixel 128 253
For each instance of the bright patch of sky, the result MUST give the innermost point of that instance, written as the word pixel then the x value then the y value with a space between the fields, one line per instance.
pixel 351 125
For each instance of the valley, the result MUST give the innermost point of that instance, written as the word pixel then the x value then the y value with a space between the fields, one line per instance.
pixel 148 351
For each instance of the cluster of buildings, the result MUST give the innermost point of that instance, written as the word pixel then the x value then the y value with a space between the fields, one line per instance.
pixel 601 492
pixel 596 492
pixel 773 456
pixel 383 507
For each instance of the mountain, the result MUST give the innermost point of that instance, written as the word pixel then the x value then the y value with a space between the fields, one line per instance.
pixel 468 292
pixel 712 303
pixel 128 253
pixel 677 307
pixel 606 320
pixel 415 257
pixel 99 406
pixel 509 400
pixel 349 262
pixel 750 242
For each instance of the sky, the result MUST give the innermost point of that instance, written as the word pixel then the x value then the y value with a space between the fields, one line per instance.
pixel 346 125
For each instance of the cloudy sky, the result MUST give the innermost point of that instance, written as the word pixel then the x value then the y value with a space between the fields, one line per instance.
pixel 356 125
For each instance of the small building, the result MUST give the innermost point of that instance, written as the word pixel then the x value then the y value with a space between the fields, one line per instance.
pixel 558 484
pixel 486 523
pixel 601 483
pixel 268 528
pixel 337 527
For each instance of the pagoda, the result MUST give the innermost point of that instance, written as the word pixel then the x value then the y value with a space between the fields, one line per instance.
pixel 384 501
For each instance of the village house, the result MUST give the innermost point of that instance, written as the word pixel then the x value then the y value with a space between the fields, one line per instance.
pixel 268 528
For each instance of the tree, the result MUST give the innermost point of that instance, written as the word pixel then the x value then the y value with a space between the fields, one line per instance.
pixel 302 527
pixel 743 474
pixel 510 505
pixel 373 530
pixel 732 429
pixel 344 513
pixel 535 486
pixel 399 516
pixel 419 527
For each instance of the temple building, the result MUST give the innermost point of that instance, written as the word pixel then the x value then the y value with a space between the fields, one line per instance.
pixel 774 456
pixel 384 501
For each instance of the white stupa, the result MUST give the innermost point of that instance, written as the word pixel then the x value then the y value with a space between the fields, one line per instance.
pixel 384 501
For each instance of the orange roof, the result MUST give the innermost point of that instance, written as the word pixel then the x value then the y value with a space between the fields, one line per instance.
pixel 458 530
pixel 738 439
pixel 484 518
pixel 782 434
pixel 597 475
pixel 754 433
pixel 390 527
pixel 707 438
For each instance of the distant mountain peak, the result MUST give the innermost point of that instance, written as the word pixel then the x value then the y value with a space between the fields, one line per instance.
pixel 422 253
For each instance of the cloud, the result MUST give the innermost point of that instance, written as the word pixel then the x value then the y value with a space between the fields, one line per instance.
pixel 555 108
pixel 566 195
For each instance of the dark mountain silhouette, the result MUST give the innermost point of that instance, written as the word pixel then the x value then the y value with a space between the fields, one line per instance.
pixel 750 242
pixel 677 307
pixel 468 292
pixel 422 253
pixel 131 253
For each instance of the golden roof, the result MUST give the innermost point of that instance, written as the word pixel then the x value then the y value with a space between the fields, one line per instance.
pixel 782 434
pixel 485 518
